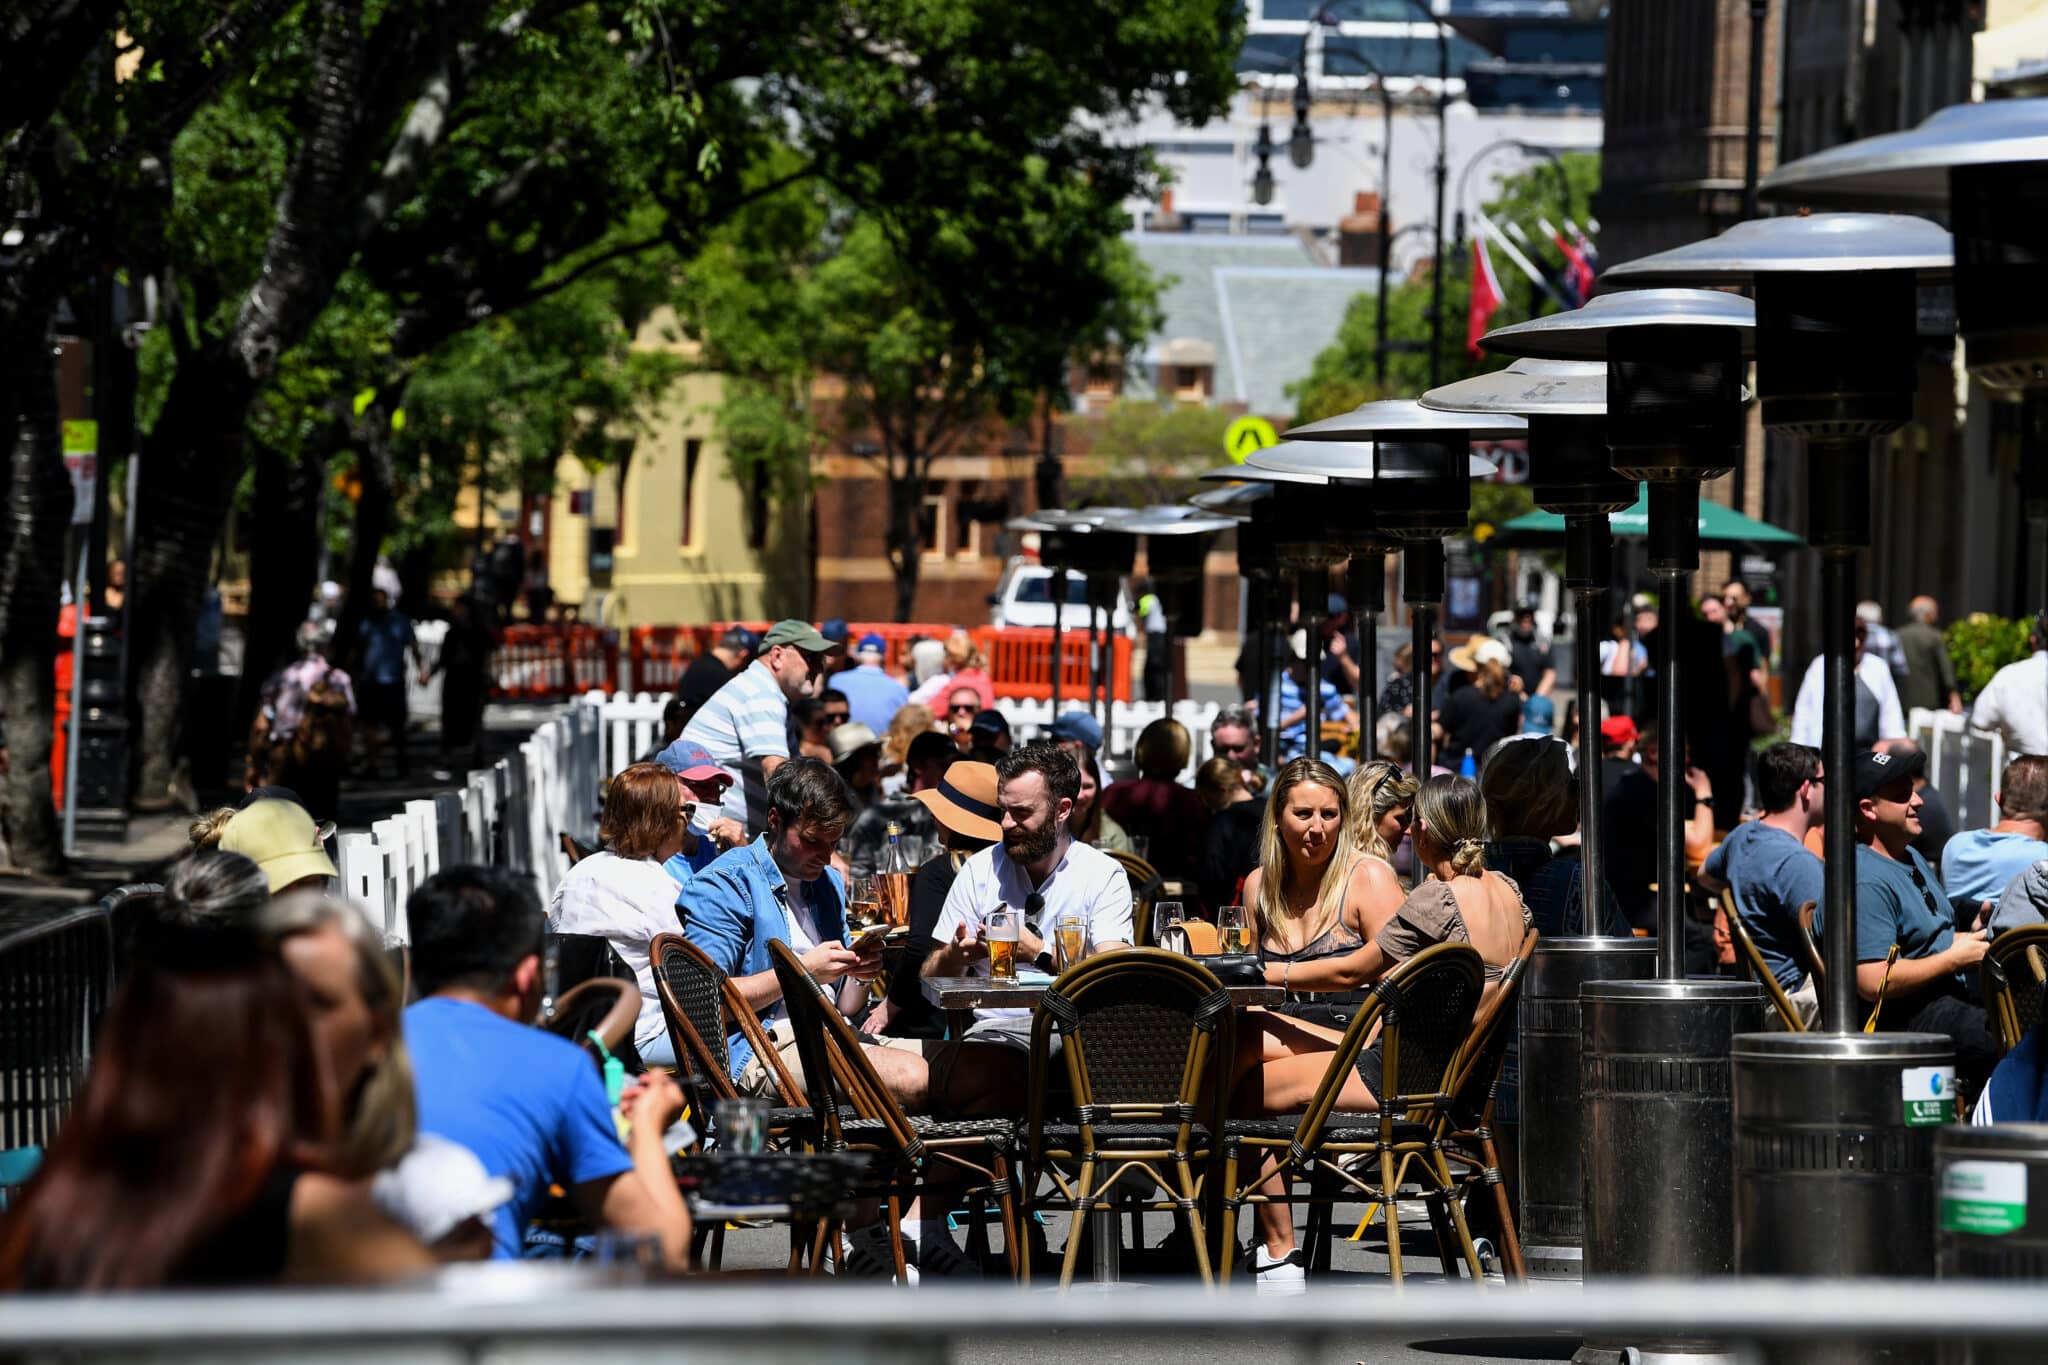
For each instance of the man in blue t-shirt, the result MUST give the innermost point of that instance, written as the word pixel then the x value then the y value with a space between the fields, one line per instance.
pixel 529 1104
pixel 1767 867
pixel 1899 901
pixel 1978 864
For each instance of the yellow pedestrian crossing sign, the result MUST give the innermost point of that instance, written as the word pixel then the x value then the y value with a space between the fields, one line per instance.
pixel 1247 434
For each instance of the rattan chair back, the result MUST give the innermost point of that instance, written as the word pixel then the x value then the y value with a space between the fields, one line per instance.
pixel 2014 974
pixel 836 1069
pixel 1146 884
pixel 1426 1009
pixel 1145 1034
pixel 605 1006
pixel 1759 971
pixel 1809 947
pixel 692 993
pixel 1479 1068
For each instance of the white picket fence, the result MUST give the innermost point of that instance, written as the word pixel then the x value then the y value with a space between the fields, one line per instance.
pixel 1963 764
pixel 514 813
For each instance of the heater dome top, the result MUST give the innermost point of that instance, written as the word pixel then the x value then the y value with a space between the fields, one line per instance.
pixel 1582 333
pixel 1170 519
pixel 1350 463
pixel 1804 243
pixel 1400 419
pixel 1911 167
pixel 1529 388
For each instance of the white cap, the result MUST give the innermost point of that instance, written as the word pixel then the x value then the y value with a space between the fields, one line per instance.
pixel 438 1186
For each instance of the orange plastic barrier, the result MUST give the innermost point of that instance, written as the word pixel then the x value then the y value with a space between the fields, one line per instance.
pixel 535 663
pixel 1019 658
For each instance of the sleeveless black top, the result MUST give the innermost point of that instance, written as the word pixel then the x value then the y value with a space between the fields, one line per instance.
pixel 249 1248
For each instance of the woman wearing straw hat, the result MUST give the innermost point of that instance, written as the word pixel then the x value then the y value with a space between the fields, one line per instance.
pixel 1486 709
pixel 964 806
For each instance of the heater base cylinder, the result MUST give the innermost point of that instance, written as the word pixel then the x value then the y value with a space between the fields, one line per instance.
pixel 1551 1096
pixel 1991 1218
pixel 1834 1165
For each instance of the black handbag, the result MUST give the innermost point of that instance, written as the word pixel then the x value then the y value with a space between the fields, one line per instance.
pixel 1236 969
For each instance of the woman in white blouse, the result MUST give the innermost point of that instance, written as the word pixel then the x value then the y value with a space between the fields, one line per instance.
pixel 623 893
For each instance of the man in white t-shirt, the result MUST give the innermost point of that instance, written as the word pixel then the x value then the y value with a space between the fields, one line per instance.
pixel 2015 702
pixel 1039 871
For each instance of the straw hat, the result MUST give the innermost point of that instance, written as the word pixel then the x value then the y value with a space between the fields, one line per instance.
pixel 1477 650
pixel 965 801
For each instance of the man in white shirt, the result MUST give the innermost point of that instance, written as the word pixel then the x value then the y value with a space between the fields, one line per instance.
pixel 2015 702
pixel 1040 871
pixel 1878 714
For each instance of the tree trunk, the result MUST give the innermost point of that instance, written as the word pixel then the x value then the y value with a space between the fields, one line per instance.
pixel 373 519
pixel 284 563
pixel 31 570
pixel 906 535
pixel 190 464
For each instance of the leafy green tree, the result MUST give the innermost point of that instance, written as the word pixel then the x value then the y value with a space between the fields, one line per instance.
pixel 1149 452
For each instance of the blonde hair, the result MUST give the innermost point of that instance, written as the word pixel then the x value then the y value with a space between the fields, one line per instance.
pixel 381 1123
pixel 961 653
pixel 206 829
pixel 1451 814
pixel 1491 678
pixel 1216 780
pixel 1377 788
pixel 1162 749
pixel 1272 907
pixel 910 721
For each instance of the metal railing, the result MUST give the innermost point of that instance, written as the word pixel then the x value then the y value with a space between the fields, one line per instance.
pixel 530 1311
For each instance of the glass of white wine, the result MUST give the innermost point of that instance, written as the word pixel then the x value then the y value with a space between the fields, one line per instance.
pixel 1234 927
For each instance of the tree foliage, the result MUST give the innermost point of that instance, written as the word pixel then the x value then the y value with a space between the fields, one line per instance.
pixel 1149 452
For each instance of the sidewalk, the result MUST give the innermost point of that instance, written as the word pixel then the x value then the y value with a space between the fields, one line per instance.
pixel 156 839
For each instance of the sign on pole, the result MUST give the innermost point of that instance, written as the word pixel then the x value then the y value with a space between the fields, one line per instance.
pixel 81 461
pixel 1247 434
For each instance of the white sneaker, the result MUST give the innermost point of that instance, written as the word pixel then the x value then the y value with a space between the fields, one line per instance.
pixel 1282 1275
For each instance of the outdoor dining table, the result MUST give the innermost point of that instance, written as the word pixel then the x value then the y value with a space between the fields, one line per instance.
pixel 960 996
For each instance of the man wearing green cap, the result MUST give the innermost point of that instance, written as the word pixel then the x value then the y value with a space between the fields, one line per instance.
pixel 747 720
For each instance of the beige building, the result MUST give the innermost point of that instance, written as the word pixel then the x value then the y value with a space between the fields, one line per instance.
pixel 691 538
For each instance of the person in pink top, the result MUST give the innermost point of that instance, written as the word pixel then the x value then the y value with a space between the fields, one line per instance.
pixel 965 667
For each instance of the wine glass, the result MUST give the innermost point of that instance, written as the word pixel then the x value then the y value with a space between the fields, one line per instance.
pixel 1167 918
pixel 1234 924
pixel 863 902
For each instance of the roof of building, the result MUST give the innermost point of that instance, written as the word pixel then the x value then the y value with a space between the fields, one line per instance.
pixel 1262 301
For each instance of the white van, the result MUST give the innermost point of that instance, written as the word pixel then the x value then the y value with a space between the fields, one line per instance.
pixel 1024 598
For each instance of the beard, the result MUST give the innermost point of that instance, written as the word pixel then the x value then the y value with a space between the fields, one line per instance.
pixel 1028 846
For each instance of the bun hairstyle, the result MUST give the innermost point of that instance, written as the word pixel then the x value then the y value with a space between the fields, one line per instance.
pixel 205 917
pixel 205 830
pixel 1451 815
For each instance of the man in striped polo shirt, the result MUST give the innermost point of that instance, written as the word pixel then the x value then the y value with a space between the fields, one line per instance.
pixel 745 724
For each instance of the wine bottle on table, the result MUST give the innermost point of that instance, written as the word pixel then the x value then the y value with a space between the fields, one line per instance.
pixel 893 879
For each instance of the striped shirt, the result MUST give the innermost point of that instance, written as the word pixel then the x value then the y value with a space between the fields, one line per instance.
pixel 746 718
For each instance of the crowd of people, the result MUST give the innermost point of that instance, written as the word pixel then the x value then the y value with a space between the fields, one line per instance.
pixel 275 1095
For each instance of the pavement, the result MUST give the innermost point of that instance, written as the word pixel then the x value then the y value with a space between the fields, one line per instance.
pixel 1356 1268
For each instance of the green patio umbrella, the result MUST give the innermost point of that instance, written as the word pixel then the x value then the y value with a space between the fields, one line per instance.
pixel 1718 526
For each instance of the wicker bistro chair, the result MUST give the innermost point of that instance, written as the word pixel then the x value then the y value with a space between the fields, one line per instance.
pixel 605 1006
pixel 1423 1012
pixel 698 999
pixel 910 1151
pixel 1468 1119
pixel 1147 1038
pixel 1808 945
pixel 1146 884
pixel 1752 959
pixel 2014 973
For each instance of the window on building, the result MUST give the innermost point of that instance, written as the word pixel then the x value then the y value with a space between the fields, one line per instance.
pixel 931 519
pixel 1190 383
pixel 1101 381
pixel 693 450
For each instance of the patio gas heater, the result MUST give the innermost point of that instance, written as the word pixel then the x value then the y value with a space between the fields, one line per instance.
pixel 1420 470
pixel 1084 542
pixel 1177 542
pixel 1565 403
pixel 1656 1157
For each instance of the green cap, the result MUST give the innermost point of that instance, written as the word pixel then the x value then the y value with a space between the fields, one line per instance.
pixel 802 634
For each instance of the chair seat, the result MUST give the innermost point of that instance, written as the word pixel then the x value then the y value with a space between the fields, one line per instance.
pixel 1119 1136
pixel 1345 1129
pixel 934 1130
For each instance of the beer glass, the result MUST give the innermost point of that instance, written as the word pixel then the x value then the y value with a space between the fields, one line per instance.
pixel 1234 928
pixel 1002 926
pixel 1070 934
pixel 1167 918
pixel 863 904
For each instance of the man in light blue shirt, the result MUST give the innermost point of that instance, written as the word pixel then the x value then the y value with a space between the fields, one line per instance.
pixel 747 720
pixel 872 695
pixel 1978 864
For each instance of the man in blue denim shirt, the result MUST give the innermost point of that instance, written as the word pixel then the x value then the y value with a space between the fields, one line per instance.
pixel 782 886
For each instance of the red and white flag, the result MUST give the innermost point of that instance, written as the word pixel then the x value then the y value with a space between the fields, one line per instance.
pixel 1577 267
pixel 1486 295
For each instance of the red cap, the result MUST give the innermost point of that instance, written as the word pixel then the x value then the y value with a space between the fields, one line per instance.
pixel 1616 731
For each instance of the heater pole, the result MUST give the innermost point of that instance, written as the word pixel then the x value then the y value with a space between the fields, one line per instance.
pixel 1588 560
pixel 1674 527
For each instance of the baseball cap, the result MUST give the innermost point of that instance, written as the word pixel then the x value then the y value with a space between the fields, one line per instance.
pixel 836 630
pixel 437 1187
pixel 740 638
pixel 1616 731
pixel 1337 606
pixel 849 739
pixel 1078 727
pixel 281 838
pixel 990 722
pixel 930 745
pixel 802 634
pixel 692 762
pixel 1876 770
pixel 872 643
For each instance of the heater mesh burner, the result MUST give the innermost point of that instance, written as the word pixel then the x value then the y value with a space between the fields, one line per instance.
pixel 2001 229
pixel 1674 403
